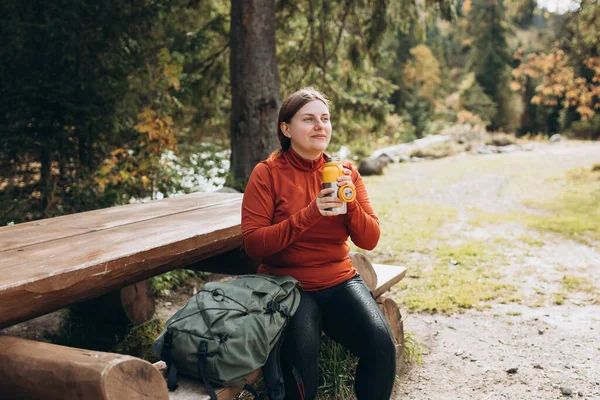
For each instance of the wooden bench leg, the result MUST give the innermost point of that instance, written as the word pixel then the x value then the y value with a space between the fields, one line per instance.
pixel 36 370
pixel 132 304
pixel 363 266
pixel 392 315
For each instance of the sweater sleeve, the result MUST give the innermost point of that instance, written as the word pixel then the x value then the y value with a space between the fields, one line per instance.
pixel 361 220
pixel 260 237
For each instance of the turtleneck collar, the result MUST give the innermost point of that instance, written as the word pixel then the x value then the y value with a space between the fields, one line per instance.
pixel 303 164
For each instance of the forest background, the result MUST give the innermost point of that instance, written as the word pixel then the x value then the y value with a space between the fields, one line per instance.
pixel 107 103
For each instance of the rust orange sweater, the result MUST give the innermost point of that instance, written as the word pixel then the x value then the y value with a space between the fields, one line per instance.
pixel 282 224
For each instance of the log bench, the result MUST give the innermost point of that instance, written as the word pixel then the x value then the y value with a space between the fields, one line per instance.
pixel 379 278
pixel 106 256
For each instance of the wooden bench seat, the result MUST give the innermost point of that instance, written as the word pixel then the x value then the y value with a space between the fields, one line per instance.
pixel 53 263
pixel 387 277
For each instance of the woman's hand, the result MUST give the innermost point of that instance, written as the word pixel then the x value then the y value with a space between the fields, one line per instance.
pixel 324 199
pixel 325 202
pixel 346 179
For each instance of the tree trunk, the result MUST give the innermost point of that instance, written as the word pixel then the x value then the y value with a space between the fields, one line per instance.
pixel 255 96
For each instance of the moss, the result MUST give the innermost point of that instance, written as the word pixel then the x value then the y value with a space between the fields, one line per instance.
pixel 139 339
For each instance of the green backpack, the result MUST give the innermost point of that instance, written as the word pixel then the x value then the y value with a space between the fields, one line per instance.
pixel 227 330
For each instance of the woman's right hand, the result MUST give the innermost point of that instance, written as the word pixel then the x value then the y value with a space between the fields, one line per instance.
pixel 324 202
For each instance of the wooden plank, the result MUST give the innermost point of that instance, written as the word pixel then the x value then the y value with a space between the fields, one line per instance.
pixel 41 278
pixel 190 389
pixel 36 370
pixel 387 276
pixel 35 232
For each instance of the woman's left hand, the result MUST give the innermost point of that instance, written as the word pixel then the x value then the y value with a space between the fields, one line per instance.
pixel 346 179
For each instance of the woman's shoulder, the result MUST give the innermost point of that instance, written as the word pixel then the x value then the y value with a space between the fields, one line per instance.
pixel 274 161
pixel 269 166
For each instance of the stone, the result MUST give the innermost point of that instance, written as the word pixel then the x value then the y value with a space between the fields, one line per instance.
pixel 557 137
pixel 371 166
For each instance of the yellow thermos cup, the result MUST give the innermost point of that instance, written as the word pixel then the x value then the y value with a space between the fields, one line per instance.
pixel 331 171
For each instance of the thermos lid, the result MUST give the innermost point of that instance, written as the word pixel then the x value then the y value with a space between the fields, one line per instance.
pixel 333 158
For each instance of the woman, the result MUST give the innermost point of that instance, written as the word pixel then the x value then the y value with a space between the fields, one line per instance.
pixel 285 220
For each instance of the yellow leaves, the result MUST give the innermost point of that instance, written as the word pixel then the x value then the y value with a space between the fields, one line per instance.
pixel 515 86
pixel 466 8
pixel 159 130
pixel 170 69
pixel 423 72
pixel 559 82
pixel 145 181
pixel 585 112
pixel 172 72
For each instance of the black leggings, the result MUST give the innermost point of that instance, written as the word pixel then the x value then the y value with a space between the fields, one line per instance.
pixel 348 314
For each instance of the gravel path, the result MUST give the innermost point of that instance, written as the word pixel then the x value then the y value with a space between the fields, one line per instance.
pixel 514 350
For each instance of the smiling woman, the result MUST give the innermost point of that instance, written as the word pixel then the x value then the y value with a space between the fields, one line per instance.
pixel 287 219
pixel 309 130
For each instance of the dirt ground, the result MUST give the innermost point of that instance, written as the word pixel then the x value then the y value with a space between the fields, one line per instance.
pixel 517 350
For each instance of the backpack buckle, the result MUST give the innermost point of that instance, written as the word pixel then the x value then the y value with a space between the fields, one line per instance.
pixel 272 307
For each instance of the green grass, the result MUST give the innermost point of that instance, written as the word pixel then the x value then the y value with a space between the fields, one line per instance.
pixel 559 298
pixel 337 367
pixel 531 241
pixel 462 277
pixel 567 204
pixel 580 284
pixel 164 283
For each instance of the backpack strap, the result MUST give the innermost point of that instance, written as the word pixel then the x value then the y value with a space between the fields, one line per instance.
pixel 253 392
pixel 166 355
pixel 274 387
pixel 202 354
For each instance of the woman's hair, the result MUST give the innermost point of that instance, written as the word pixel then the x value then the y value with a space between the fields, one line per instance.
pixel 290 107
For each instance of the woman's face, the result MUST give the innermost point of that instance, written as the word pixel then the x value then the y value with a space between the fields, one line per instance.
pixel 309 130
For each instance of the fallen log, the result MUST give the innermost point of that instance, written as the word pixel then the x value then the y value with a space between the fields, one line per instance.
pixel 37 370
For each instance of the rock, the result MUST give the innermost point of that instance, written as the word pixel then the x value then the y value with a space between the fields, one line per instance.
pixel 580 394
pixel 540 332
pixel 370 166
pixel 512 370
pixel 168 304
pixel 555 138
pixel 483 149
pixel 403 158
pixel 537 366
pixel 511 148
pixel 528 147
pixel 385 159
pixel 565 391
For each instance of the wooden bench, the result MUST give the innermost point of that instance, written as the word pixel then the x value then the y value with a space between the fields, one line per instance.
pixel 379 277
pixel 49 264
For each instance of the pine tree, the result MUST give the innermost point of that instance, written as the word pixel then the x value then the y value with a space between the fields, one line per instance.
pixel 489 57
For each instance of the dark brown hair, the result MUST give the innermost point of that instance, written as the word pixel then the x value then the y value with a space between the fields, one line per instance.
pixel 290 107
